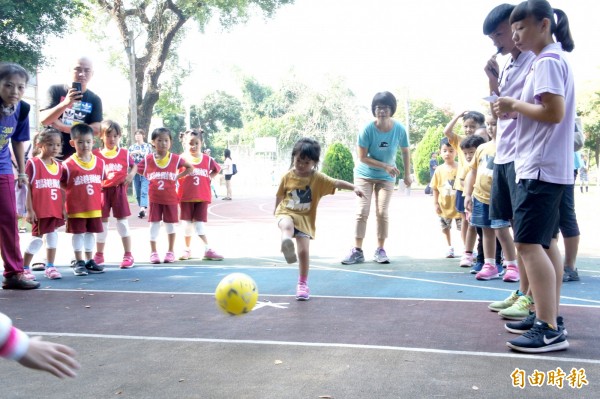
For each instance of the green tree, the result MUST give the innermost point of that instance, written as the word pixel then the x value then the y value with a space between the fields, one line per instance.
pixel 170 108
pixel 157 25
pixel 423 115
pixel 338 163
pixel 27 24
pixel 422 155
pixel 218 112
pixel 590 114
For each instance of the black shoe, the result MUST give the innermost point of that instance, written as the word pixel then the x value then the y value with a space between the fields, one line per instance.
pixel 570 275
pixel 142 214
pixel 79 268
pixel 92 267
pixel 521 327
pixel 540 338
pixel 19 282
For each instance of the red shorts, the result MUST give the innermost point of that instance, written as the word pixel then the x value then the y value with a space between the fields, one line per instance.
pixel 162 212
pixel 45 226
pixel 84 225
pixel 115 198
pixel 193 211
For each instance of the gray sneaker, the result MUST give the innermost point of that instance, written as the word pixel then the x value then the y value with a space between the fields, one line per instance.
pixel 380 256
pixel 355 256
pixel 570 275
pixel 79 268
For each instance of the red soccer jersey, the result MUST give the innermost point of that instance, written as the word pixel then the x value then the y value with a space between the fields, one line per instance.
pixel 83 185
pixel 196 185
pixel 115 168
pixel 163 180
pixel 46 195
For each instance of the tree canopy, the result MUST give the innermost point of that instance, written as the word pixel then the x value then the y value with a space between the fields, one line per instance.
pixel 27 24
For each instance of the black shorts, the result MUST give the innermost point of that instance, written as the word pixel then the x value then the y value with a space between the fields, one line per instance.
pixel 228 177
pixel 504 187
pixel 536 212
pixel 567 222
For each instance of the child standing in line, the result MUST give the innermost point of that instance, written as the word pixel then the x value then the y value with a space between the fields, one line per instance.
pixel 45 203
pixel 444 194
pixel 472 120
pixel 82 177
pixel 161 170
pixel 297 198
pixel 583 173
pixel 543 165
pixel 478 186
pixel 118 174
pixel 194 191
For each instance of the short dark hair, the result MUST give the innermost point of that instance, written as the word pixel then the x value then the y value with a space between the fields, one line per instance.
pixel 81 129
pixel 306 148
pixel 159 131
pixel 8 69
pixel 471 142
pixel 476 116
pixel 384 98
pixel 498 15
pixel 444 142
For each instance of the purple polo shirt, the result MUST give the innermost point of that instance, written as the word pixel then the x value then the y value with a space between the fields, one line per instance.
pixel 10 129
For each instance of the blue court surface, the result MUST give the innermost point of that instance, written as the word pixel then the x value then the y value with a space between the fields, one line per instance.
pixel 417 327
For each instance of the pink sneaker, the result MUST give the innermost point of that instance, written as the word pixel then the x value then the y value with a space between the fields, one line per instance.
pixel 512 274
pixel 154 258
pixel 302 292
pixel 28 275
pixel 127 262
pixel 488 272
pixel 169 257
pixel 466 260
pixel 99 258
pixel 212 255
pixel 187 254
pixel 52 273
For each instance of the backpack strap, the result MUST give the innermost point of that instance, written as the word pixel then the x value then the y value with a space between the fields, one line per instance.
pixel 24 111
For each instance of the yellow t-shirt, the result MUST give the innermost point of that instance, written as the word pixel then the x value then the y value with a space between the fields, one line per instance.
pixel 483 164
pixel 443 181
pixel 301 196
pixel 461 173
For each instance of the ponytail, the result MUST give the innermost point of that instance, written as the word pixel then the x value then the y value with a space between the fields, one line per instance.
pixel 562 33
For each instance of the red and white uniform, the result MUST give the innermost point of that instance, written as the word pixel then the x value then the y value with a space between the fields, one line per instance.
pixel 163 180
pixel 116 167
pixel 83 186
pixel 196 185
pixel 46 195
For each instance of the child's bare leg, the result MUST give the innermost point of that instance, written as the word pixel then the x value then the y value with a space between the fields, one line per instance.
pixel 470 237
pixel 446 232
pixel 50 255
pixel 554 255
pixel 101 237
pixel 464 229
pixel 508 246
pixel 303 244
pixel 489 243
pixel 126 243
pixel 286 225
pixel 172 237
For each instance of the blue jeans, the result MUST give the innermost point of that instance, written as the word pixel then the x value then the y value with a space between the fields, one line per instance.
pixel 140 185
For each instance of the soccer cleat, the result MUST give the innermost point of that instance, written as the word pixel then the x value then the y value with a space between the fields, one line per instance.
pixel 508 302
pixel 450 252
pixel 380 256
pixel 169 257
pixel 512 274
pixel 355 256
pixel 519 310
pixel 92 267
pixel 127 262
pixel 466 260
pixel 570 275
pixel 302 292
pixel 477 266
pixel 28 275
pixel 99 258
pixel 289 250
pixel 212 255
pixel 79 268
pixel 187 254
pixel 488 272
pixel 154 258
pixel 540 338
pixel 52 273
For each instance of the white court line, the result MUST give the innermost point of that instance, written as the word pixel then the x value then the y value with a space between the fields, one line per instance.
pixel 321 345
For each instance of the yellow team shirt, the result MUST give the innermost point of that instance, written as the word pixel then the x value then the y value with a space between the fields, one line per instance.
pixel 483 164
pixel 443 182
pixel 461 173
pixel 89 214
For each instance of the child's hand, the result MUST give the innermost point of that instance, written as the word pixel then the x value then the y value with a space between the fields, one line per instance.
pixel 438 209
pixel 128 180
pixel 491 68
pixel 359 192
pixel 57 359
pixel 31 217
pixel 468 203
pixel 392 170
pixel 503 107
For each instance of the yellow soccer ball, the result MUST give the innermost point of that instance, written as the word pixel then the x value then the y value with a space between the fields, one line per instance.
pixel 236 294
